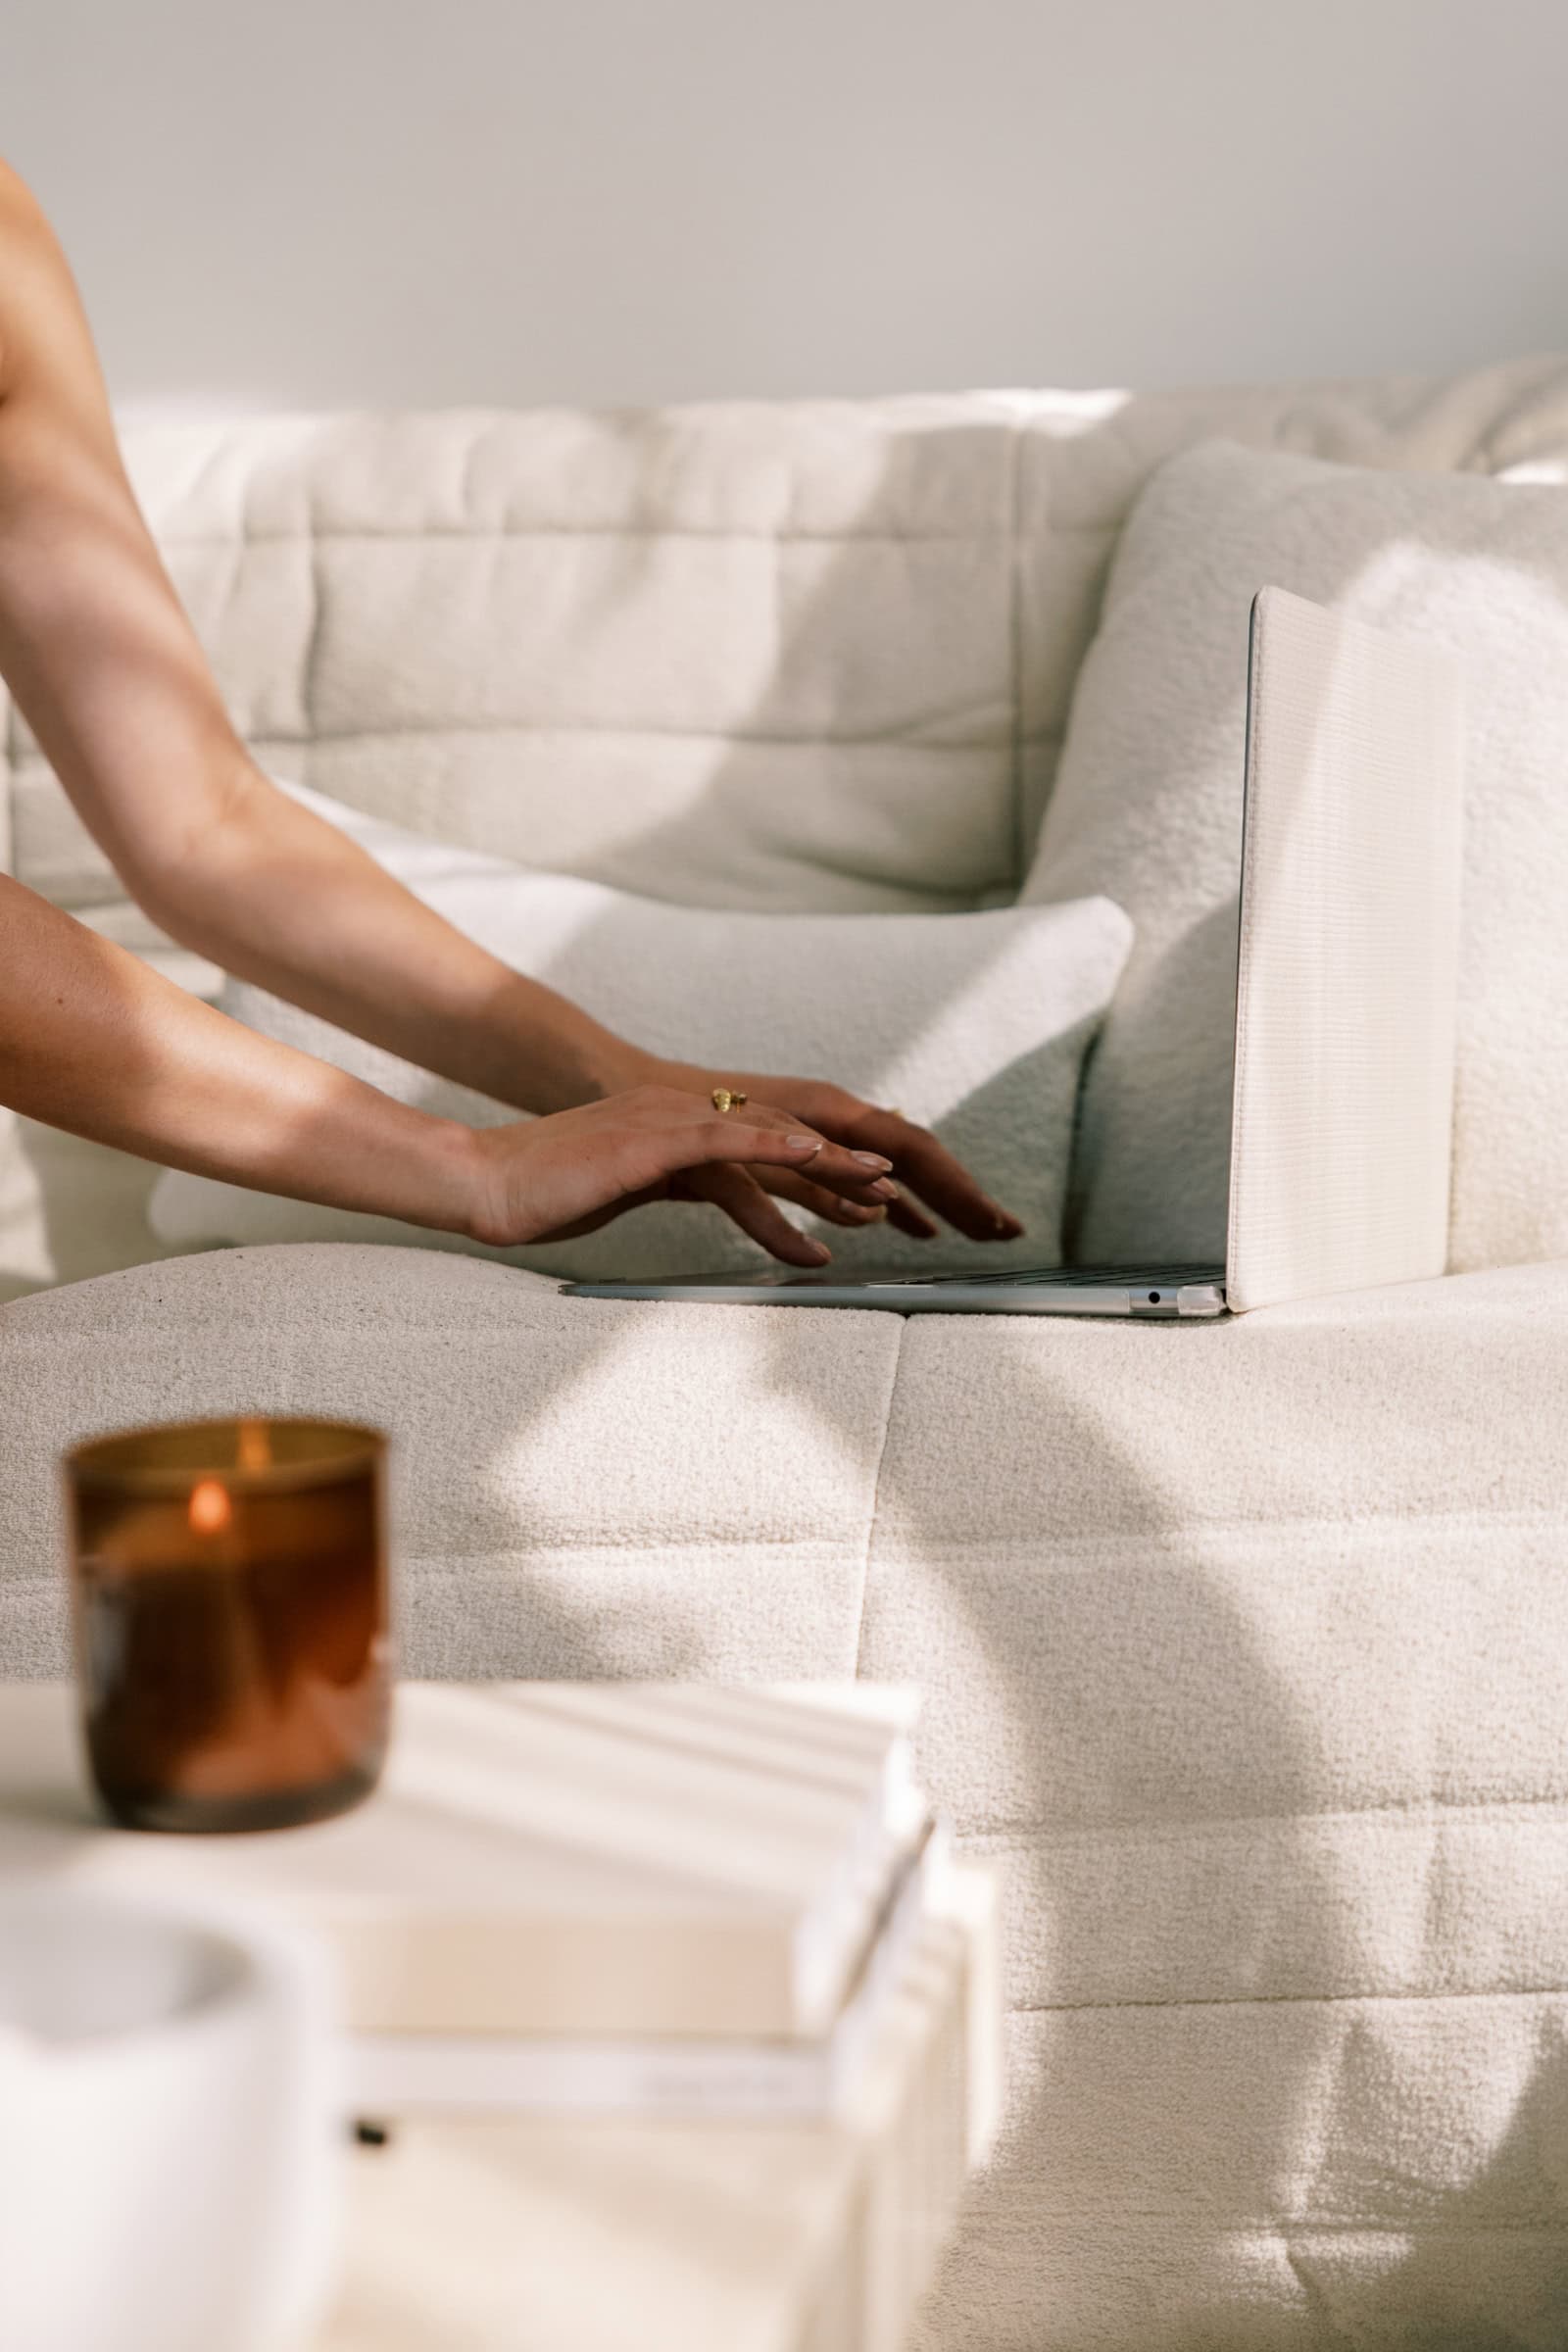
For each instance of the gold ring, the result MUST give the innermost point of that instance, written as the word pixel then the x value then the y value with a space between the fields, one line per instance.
pixel 725 1099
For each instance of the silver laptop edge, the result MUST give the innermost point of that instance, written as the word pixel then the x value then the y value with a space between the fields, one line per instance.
pixel 1054 1291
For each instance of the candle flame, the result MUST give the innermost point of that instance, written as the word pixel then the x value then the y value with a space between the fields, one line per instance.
pixel 210 1507
pixel 255 1447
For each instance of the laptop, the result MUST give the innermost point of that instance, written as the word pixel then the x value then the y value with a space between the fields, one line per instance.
pixel 1346 996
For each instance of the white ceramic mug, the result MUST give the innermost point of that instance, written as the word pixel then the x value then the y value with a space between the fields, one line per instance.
pixel 170 2128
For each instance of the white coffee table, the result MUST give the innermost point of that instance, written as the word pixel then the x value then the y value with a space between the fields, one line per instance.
pixel 544 2236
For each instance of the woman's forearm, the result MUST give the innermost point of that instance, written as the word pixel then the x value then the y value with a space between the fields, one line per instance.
pixel 93 1041
pixel 282 899
pixel 106 670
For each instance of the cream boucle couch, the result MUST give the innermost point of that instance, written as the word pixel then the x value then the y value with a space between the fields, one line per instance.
pixel 1245 1647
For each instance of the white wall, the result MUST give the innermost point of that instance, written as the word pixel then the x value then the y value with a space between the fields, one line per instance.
pixel 320 202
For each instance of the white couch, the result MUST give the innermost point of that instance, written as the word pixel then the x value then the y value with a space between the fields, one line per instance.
pixel 1246 1646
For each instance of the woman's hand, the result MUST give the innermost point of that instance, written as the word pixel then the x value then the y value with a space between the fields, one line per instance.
pixel 925 1170
pixel 572 1171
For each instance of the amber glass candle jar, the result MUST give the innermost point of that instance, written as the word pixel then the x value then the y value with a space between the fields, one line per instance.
pixel 229 1606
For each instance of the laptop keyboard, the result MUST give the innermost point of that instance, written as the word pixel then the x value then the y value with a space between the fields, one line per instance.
pixel 1139 1277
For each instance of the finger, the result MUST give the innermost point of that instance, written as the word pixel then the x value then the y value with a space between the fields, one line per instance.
pixel 667 1146
pixel 854 1174
pixel 743 1200
pixel 908 1218
pixel 917 1159
pixel 839 1210
pixel 661 1150
pixel 928 1168
pixel 785 1185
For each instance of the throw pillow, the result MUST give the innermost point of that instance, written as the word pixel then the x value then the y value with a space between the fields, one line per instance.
pixel 975 1024
pixel 1146 808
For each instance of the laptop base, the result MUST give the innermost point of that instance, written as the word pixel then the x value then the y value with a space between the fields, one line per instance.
pixel 1156 1294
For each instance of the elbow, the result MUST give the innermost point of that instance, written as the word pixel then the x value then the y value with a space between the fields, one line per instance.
pixel 189 877
pixel 172 895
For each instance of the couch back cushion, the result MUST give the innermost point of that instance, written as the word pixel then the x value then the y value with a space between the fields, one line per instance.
pixel 752 658
pixel 814 656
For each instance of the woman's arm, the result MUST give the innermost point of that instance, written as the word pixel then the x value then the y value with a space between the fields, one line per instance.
pixel 106 667
pixel 108 672
pixel 94 1041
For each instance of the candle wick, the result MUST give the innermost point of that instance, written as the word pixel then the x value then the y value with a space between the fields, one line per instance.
pixel 255 1447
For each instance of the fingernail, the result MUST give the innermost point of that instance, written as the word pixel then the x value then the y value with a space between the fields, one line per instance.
pixel 803 1143
pixel 820 1254
pixel 871 1159
pixel 882 1190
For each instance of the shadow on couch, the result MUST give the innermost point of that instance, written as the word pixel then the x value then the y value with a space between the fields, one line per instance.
pixel 1231 2129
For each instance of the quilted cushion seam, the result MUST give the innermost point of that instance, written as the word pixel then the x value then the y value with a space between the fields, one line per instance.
pixel 1298 2000
pixel 876 1496
pixel 1424 1812
pixel 896 738
pixel 1024 2192
pixel 1021 849
pixel 1171 1545
pixel 351 534
pixel 33 770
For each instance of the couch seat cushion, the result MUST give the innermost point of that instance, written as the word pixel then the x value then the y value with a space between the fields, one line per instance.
pixel 1245 1654
pixel 582 1488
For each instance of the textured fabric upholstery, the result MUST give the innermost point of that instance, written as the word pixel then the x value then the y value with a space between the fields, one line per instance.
pixel 1247 1659
pixel 1262 1722
pixel 816 655
pixel 590 1488
pixel 1244 1646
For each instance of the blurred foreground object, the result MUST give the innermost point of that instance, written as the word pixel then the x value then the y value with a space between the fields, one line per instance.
pixel 724 2235
pixel 686 2028
pixel 169 2169
pixel 229 1598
